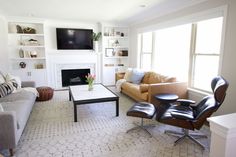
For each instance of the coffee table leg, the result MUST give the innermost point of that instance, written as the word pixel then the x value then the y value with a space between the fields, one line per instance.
pixel 75 113
pixel 69 96
pixel 117 107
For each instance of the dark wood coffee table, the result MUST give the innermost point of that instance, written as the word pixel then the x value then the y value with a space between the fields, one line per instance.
pixel 80 95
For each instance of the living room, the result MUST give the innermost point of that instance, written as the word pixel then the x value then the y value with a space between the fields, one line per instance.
pixel 125 27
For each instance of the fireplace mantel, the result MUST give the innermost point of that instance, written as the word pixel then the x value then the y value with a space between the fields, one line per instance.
pixel 57 62
pixel 60 67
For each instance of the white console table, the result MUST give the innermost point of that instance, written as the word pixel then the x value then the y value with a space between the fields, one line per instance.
pixel 223 135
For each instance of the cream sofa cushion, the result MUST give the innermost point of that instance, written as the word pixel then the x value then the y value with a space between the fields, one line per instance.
pixel 12 78
pixel 137 76
pixel 128 74
pixel 2 78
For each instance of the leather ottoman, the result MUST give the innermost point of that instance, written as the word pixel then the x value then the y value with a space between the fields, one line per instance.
pixel 45 93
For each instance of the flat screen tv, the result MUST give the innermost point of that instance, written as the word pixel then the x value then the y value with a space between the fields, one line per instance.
pixel 74 39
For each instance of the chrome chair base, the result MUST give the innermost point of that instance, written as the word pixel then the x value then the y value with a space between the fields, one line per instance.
pixel 185 134
pixel 142 127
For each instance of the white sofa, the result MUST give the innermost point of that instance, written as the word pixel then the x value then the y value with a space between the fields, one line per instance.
pixel 17 108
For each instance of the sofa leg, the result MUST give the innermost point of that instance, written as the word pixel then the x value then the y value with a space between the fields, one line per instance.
pixel 11 152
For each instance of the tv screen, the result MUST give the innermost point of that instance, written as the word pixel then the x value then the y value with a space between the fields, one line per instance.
pixel 79 39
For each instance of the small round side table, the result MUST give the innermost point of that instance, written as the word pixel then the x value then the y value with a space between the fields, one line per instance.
pixel 166 98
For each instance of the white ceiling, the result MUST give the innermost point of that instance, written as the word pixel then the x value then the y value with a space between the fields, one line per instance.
pixel 86 10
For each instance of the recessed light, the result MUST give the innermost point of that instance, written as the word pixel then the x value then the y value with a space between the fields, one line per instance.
pixel 30 14
pixel 142 6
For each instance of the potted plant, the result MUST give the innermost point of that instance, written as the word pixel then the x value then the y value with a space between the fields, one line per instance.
pixel 96 37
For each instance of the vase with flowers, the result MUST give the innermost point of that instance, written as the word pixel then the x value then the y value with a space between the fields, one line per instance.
pixel 90 80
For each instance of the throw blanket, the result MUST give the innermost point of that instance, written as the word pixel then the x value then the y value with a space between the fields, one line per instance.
pixel 29 89
pixel 119 83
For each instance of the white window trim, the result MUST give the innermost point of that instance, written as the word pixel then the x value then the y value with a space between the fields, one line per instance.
pixel 141 50
pixel 198 16
pixel 193 55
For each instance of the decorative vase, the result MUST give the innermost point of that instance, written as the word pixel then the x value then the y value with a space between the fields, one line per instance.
pixel 22 65
pixel 21 53
pixel 90 86
pixel 95 46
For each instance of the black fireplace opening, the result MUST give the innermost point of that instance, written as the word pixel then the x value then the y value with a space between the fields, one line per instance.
pixel 74 77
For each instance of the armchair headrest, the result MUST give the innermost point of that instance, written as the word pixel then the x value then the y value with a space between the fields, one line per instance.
pixel 219 86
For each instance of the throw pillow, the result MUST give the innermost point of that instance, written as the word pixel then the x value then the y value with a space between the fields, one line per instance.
pixel 154 78
pixel 1 108
pixel 143 88
pixel 5 89
pixel 146 77
pixel 2 78
pixel 137 76
pixel 15 80
pixel 128 74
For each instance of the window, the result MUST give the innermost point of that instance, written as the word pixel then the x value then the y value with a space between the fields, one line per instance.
pixel 146 42
pixel 188 52
pixel 206 55
pixel 171 56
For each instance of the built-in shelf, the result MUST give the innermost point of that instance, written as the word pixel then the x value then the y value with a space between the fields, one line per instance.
pixel 117 47
pixel 36 58
pixel 116 37
pixel 117 57
pixel 24 34
pixel 115 43
pixel 27 46
pixel 22 49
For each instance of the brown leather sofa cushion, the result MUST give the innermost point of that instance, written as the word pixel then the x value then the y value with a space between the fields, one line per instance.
pixel 133 89
pixel 143 88
pixel 154 78
pixel 158 78
pixel 170 79
pixel 146 77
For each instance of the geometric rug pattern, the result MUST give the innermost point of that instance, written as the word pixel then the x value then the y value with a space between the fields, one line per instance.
pixel 52 132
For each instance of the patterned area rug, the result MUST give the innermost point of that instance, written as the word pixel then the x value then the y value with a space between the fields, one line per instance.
pixel 51 132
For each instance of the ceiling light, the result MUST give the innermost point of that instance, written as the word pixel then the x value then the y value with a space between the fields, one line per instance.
pixel 30 14
pixel 142 6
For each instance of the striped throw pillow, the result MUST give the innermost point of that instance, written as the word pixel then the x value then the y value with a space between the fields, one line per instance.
pixel 5 89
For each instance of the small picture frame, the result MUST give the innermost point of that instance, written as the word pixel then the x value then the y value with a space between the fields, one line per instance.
pixel 117 33
pixel 109 52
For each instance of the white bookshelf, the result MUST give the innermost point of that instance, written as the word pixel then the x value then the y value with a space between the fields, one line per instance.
pixel 32 46
pixel 115 41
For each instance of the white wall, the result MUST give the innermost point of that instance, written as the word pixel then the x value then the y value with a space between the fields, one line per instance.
pixel 50 31
pixel 55 56
pixel 229 53
pixel 229 63
pixel 3 46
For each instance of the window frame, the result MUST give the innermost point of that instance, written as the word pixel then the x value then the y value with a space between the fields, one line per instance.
pixel 142 52
pixel 200 16
pixel 194 54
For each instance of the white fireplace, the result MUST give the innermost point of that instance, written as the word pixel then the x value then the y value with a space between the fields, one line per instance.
pixel 69 60
pixel 60 67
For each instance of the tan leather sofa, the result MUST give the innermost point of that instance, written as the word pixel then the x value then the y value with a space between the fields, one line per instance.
pixel 152 84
